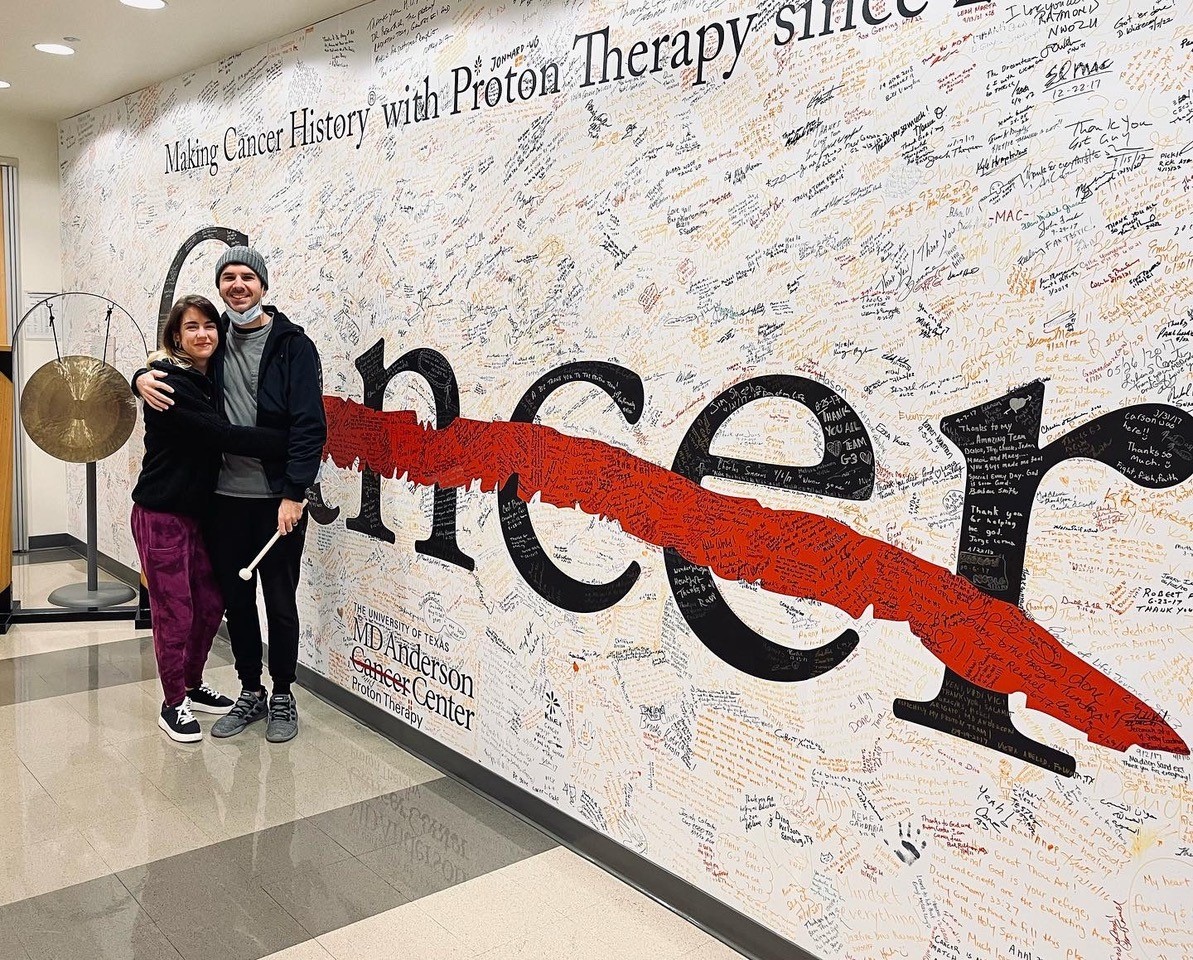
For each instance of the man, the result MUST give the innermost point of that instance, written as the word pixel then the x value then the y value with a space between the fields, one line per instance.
pixel 267 374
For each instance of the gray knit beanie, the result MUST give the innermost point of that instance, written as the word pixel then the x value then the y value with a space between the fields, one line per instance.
pixel 245 256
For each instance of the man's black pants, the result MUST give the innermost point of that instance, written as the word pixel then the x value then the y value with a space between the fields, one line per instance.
pixel 239 527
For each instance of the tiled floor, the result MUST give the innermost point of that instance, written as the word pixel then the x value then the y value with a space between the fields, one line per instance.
pixel 123 845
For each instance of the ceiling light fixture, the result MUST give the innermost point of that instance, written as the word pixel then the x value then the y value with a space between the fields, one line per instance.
pixel 58 49
pixel 145 4
pixel 4 84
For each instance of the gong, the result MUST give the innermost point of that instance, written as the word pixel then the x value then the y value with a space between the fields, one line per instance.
pixel 78 409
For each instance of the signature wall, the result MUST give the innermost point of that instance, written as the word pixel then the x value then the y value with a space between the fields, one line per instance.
pixel 762 432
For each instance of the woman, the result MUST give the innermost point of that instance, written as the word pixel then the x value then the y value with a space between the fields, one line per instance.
pixel 178 475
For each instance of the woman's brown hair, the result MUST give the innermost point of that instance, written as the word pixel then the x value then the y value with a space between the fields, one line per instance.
pixel 168 349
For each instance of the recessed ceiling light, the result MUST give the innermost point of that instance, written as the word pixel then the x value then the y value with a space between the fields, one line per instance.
pixel 145 4
pixel 58 49
pixel 4 84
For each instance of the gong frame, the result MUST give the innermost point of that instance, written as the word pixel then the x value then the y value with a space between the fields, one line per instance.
pixel 14 535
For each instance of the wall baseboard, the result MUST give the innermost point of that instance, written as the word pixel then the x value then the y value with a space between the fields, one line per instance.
pixel 44 541
pixel 707 912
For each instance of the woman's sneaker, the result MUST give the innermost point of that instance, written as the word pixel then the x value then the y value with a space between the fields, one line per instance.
pixel 206 699
pixel 179 723
pixel 249 707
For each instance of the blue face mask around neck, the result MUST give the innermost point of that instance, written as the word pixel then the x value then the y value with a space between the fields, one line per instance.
pixel 243 319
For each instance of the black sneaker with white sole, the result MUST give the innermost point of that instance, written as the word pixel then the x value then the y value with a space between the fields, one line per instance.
pixel 179 723
pixel 206 699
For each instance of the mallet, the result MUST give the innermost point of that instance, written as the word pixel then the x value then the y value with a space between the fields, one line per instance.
pixel 246 573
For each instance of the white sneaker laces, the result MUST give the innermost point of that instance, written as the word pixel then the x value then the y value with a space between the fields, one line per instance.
pixel 184 713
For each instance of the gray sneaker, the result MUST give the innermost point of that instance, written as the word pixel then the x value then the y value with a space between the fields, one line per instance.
pixel 283 718
pixel 248 708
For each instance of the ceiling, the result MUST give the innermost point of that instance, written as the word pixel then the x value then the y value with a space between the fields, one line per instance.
pixel 122 49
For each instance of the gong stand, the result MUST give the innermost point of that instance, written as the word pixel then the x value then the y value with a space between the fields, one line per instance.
pixel 92 595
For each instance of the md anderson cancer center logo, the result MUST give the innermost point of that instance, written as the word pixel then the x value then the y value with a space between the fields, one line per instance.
pixel 393 668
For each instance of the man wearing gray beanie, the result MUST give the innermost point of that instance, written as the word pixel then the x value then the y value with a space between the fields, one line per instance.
pixel 267 374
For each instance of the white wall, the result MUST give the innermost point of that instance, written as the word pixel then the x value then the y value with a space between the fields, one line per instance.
pixel 34 145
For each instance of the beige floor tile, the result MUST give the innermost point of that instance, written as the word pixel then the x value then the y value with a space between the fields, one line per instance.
pixel 174 767
pixel 117 798
pixel 564 937
pixel 131 726
pixel 588 939
pixel 151 687
pixel 25 639
pixel 387 774
pixel 244 810
pixel 137 840
pixel 38 868
pixel 48 725
pixel 405 931
pixel 107 703
pixel 119 713
pixel 223 678
pixel 276 762
pixel 107 700
pixel 32 583
pixel 631 920
pixel 17 783
pixel 311 950
pixel 375 758
pixel 492 911
pixel 244 778
pixel 29 820
pixel 334 787
pixel 78 765
pixel 570 880
pixel 571 885
pixel 199 774
pixel 713 949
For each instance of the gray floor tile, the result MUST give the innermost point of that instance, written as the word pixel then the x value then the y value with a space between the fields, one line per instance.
pixel 475 807
pixel 98 919
pixel 88 667
pixel 448 835
pixel 372 824
pixel 19 687
pixel 91 676
pixel 10 937
pixel 125 935
pixel 44 555
pixel 326 898
pixel 81 900
pixel 248 927
pixel 289 848
pixel 208 905
pixel 198 879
